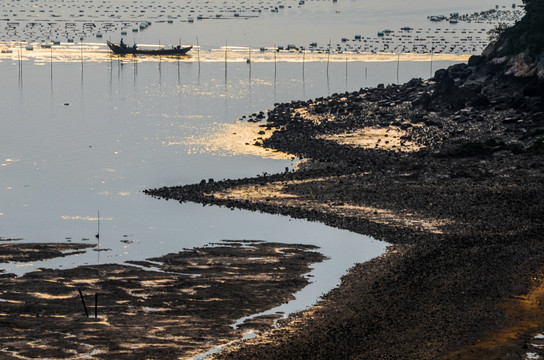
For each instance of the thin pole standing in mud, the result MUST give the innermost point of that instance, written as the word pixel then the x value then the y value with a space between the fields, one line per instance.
pixel 83 302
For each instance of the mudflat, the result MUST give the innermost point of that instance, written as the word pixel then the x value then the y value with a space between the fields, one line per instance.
pixel 175 306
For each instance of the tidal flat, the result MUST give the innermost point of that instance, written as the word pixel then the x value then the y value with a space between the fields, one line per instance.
pixel 86 132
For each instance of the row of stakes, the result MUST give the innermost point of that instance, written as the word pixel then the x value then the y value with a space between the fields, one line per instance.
pixel 20 60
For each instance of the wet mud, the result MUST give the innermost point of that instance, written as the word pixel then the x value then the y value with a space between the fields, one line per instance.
pixel 174 306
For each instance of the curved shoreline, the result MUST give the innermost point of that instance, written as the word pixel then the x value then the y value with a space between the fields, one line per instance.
pixel 464 214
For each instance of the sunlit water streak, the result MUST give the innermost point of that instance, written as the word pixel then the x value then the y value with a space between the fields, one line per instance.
pixel 97 52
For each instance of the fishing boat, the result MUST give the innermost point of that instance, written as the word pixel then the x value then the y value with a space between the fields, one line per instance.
pixel 123 49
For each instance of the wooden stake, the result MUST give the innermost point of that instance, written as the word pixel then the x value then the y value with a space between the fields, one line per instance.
pixel 198 52
pixel 328 57
pixel 346 69
pixel 83 301
pixel 98 232
pixel 398 63
pixel 303 62
pixel 432 53
pixel 275 66
pixel 81 51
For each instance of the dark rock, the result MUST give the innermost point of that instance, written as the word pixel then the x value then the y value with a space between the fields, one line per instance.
pixel 476 60
pixel 444 83
pixel 424 100
pixel 459 71
pixel 537 147
pixel 480 100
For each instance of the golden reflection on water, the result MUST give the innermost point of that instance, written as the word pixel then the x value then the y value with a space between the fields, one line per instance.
pixel 229 139
pixel 85 218
pixel 99 52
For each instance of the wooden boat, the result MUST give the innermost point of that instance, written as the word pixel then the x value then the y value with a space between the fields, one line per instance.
pixel 122 49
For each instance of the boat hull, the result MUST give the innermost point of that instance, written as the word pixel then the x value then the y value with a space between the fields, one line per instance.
pixel 119 50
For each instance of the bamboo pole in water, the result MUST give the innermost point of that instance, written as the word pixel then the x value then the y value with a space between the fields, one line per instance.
pixel 275 66
pixel 398 64
pixel 328 56
pixel 249 62
pixel 20 53
pixel 98 231
pixel 198 53
pixel 346 69
pixel 81 53
pixel 303 62
pixel 432 53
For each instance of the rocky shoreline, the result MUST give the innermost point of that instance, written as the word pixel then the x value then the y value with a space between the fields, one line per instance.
pixel 450 172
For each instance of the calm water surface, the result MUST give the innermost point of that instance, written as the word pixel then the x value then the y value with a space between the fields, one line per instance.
pixel 77 139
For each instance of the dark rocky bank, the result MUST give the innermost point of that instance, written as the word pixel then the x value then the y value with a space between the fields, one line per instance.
pixel 454 290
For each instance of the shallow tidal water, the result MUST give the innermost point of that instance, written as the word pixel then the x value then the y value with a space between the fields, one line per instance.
pixel 82 137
